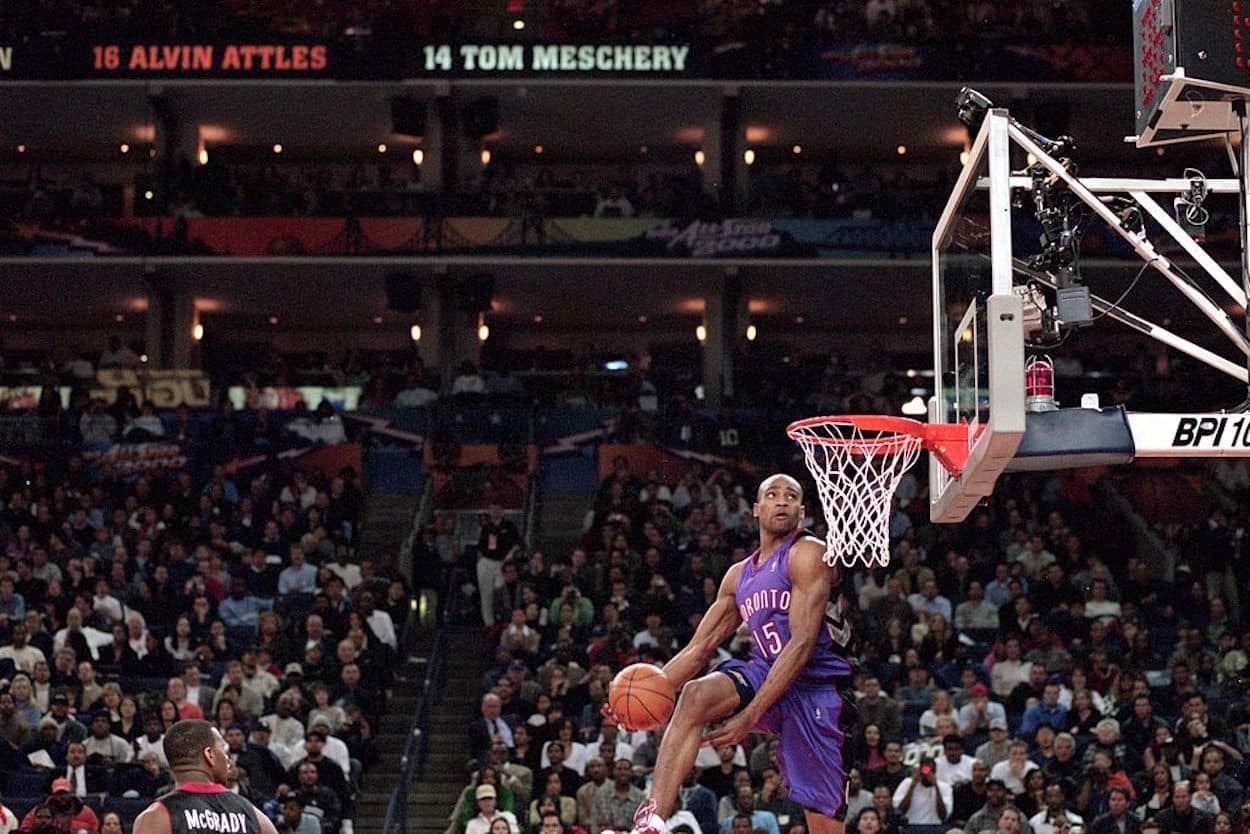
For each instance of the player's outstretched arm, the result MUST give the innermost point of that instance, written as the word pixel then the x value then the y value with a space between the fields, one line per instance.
pixel 810 584
pixel 717 626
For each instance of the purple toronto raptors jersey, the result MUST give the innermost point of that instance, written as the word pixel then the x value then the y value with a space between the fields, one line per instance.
pixel 763 600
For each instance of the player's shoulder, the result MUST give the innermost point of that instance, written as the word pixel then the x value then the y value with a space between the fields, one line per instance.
pixel 153 819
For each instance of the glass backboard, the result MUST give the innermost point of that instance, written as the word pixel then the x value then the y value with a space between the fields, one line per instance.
pixel 978 335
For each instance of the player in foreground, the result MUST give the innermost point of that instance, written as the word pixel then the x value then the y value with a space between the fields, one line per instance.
pixel 789 687
pixel 200 803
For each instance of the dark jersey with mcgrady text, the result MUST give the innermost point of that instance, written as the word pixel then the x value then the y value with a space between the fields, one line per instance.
pixel 205 808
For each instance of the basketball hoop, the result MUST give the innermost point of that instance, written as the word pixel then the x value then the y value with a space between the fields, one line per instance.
pixel 858 461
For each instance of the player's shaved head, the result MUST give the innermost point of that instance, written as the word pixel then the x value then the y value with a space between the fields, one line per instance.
pixel 186 740
pixel 776 480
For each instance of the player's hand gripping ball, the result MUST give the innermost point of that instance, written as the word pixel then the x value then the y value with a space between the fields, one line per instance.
pixel 641 697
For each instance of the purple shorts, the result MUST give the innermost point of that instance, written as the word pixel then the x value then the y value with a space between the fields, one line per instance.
pixel 813 723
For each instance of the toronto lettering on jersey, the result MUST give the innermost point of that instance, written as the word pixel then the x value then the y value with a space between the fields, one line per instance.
pixel 768 598
pixel 225 822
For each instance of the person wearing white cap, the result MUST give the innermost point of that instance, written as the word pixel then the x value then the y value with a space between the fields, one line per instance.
pixel 488 812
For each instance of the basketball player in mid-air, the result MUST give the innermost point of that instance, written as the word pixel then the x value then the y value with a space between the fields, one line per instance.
pixel 200 802
pixel 789 687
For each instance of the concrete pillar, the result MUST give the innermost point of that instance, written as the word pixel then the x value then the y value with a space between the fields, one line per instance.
pixel 432 344
pixel 447 117
pixel 152 340
pixel 730 151
pixel 714 354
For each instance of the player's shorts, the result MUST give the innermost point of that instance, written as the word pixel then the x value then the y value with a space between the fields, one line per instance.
pixel 813 723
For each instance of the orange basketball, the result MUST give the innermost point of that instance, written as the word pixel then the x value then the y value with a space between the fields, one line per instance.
pixel 642 697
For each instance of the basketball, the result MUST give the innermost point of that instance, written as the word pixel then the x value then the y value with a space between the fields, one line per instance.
pixel 641 697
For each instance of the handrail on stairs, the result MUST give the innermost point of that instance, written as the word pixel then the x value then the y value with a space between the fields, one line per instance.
pixel 417 747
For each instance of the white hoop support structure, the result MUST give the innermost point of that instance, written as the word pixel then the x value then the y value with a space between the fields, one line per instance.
pixel 858 461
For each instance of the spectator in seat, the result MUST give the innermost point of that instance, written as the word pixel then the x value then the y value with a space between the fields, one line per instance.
pixel 265 772
pixel 971 796
pixel 316 796
pixel 922 798
pixel 569 781
pixel 68 729
pixel 329 772
pixel 12 728
pixel 698 801
pixel 287 732
pixel 1064 768
pixel 1012 770
pixel 977 715
pixel 241 609
pixel 1226 788
pixel 879 709
pixel 23 655
pixel 153 738
pixel 298 577
pixel 1117 819
pixel 295 820
pixel 104 747
pixel 62 811
pixel 996 801
pixel 1055 818
pixel 953 766
pixel 616 803
pixel 1181 817
pixel 976 612
pixel 176 691
pixel 154 780
pixel 893 772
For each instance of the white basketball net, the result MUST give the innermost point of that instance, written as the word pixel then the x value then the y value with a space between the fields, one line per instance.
pixel 856 471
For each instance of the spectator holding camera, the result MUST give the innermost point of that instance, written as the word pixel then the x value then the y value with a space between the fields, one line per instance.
pixel 922 798
pixel 1054 818
pixel 61 811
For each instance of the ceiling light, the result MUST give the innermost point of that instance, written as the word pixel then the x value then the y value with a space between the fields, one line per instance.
pixel 21 149
pixel 483 330
pixel 485 156
pixel 752 332
pixel 151 153
pixel 797 149
pixel 700 157
pixel 902 150
pixel 148 195
pixel 642 319
pixel 700 333
pixel 377 319
pixel 119 318
pixel 202 156
pixel 518 25
pixel 273 319
pixel 143 357
pixel 1031 159
pixel 902 320
pixel 748 156
pixel 799 319
pixel 124 148
pixel 415 332
pixel 963 157
pixel 538 318
pixel 381 147
pixel 538 149
pixel 12 317
pixel 418 156
pixel 915 407
pixel 643 149
pixel 277 147
pixel 197 331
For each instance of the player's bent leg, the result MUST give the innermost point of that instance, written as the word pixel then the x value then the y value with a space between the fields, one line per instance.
pixel 818 823
pixel 702 701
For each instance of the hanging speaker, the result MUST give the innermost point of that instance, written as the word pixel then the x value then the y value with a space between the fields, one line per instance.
pixel 403 292
pixel 481 117
pixel 407 116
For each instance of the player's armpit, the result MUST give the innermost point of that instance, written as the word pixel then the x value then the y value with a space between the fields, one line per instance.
pixel 266 824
